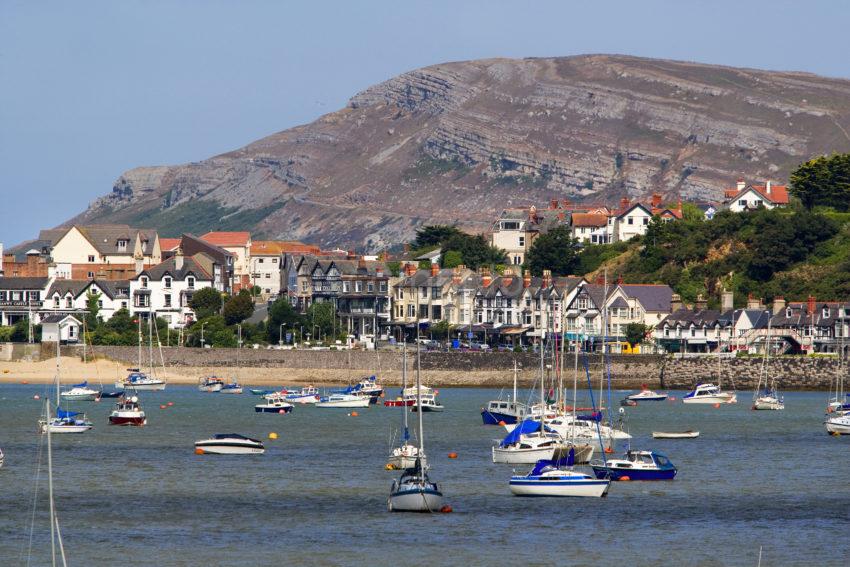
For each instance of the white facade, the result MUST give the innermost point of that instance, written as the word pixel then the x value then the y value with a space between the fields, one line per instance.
pixel 632 222
pixel 510 235
pixel 166 290
pixel 265 273
pixel 65 329
pixel 62 297
pixel 748 200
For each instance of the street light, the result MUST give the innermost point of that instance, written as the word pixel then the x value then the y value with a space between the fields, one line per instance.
pixel 280 335
pixel 202 333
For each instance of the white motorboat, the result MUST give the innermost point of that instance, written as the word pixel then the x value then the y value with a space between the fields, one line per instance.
pixel 568 427
pixel 210 384
pixel 230 444
pixel 427 399
pixel 343 401
pixel 675 434
pixel 140 381
pixel 232 388
pixel 548 478
pixel 128 411
pixel 709 394
pixel 838 424
pixel 81 393
pixel 528 449
pixel 306 395
pixel 499 412
pixel 646 395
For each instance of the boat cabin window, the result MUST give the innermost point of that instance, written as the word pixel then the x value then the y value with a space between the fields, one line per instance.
pixel 662 461
pixel 503 406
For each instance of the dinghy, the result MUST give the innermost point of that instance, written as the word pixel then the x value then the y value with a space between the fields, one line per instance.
pixel 675 434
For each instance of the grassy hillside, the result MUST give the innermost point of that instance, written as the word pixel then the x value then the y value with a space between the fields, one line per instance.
pixel 790 253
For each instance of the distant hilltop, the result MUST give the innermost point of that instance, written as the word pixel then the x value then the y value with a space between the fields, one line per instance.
pixel 456 143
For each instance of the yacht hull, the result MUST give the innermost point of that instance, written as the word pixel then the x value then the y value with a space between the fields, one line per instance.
pixel 143 387
pixel 417 500
pixel 534 486
pixel 838 425
pixel 361 403
pixel 262 408
pixel 721 399
pixel 64 428
pixel 214 448
pixel 80 397
pixel 496 418
pixel 127 420
pixel 634 474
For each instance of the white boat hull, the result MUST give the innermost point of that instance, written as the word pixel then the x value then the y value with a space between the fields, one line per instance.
pixel 79 397
pixel 359 403
pixel 509 456
pixel 142 387
pixel 230 391
pixel 415 501
pixel 64 428
pixel 838 425
pixel 220 449
pixel 768 404
pixel 211 388
pixel 586 488
pixel 719 399
pixel 309 399
pixel 675 434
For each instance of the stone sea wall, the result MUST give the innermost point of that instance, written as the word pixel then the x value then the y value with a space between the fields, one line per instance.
pixel 478 369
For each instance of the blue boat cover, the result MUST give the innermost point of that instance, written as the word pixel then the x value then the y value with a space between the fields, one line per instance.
pixel 83 385
pixel 524 428
pixel 567 461
pixel 62 414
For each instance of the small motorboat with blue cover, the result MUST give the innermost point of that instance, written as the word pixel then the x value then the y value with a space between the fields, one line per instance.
pixel 556 478
pixel 637 465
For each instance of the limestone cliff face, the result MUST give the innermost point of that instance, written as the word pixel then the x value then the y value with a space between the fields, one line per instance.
pixel 456 142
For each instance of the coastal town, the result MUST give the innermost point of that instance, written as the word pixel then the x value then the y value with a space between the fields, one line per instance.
pixel 380 299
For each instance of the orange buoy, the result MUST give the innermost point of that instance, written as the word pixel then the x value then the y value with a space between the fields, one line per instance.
pixel 446 509
pixel 672 398
pixel 24 382
pixel 199 451
pixel 390 467
pixel 354 414
pixel 502 422
pixel 453 455
pixel 280 411
pixel 625 478
pixel 717 405
pixel 609 450
pixel 169 404
pixel 162 407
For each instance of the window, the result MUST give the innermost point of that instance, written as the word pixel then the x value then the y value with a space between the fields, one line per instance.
pixel 382 286
pixel 826 312
pixel 55 302
pixel 370 287
pixel 190 282
pixel 645 221
pixel 346 287
pixel 517 260
pixel 259 260
pixel 435 292
pixel 742 203
pixel 510 225
pixel 358 286
pixel 522 242
pixel 304 286
pixel 423 311
pixel 144 281
pixel 411 311
pixel 400 293
pixel 91 259
pixel 274 260
pixel 122 245
pixel 167 300
pixel 268 276
pixel 167 282
pixel 424 292
pixel 100 303
pixel 68 302
pixel 631 221
pixel 123 305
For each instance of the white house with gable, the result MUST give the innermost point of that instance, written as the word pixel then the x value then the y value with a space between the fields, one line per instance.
pixel 166 290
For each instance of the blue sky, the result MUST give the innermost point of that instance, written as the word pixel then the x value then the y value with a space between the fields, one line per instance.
pixel 90 89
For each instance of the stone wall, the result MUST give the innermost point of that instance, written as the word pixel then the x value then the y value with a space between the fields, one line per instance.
pixel 485 369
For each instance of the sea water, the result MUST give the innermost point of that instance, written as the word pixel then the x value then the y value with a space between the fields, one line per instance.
pixel 140 496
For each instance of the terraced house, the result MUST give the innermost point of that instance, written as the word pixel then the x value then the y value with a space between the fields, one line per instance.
pixel 166 290
pixel 433 295
pixel 71 297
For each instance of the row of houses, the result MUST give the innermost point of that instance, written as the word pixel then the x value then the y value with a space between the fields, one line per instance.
pixel 516 229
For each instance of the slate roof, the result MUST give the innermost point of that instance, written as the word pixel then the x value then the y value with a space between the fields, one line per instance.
pixel 168 267
pixel 22 250
pixel 424 278
pixel 58 318
pixel 652 297
pixel 109 287
pixel 23 283
pixel 800 314
pixel 105 237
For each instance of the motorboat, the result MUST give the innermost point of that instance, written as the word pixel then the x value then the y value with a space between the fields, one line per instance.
pixel 636 465
pixel 500 412
pixel 343 401
pixel 260 392
pixel 709 394
pixel 675 434
pixel 140 381
pixel 232 388
pixel 274 406
pixel 230 444
pixel 306 395
pixel 65 422
pixel 128 411
pixel 210 384
pixel 551 478
pixel 368 387
pixel 117 394
pixel 427 400
pixel 838 424
pixel 626 402
pixel 414 492
pixel 81 393
pixel 647 395
pixel 398 402
pixel 569 427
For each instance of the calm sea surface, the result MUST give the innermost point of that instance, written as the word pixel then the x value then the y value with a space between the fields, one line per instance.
pixel 140 496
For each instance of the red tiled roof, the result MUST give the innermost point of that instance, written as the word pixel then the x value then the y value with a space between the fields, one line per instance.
pixel 227 238
pixel 778 193
pixel 589 219
pixel 168 244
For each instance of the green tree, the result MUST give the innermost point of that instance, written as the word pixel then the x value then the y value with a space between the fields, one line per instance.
pixel 206 302
pixel 215 331
pixel 282 313
pixel 810 182
pixel 238 308
pixel 321 320
pixel 556 250
pixel 636 333
pixel 441 330
pixel 93 308
pixel 474 250
pixel 434 235
pixel 452 258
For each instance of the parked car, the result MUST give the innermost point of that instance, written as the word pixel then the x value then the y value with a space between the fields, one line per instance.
pixel 479 346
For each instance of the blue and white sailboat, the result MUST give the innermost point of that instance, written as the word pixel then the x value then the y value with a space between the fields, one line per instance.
pixel 557 478
pixel 404 456
pixel 499 412
pixel 64 421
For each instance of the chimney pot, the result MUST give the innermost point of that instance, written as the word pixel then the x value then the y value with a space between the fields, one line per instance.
pixel 740 184
pixel 526 279
pixel 675 302
pixel 553 204
pixel 435 269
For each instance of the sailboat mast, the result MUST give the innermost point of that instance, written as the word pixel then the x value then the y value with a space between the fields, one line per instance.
pixel 140 343
pixel 50 486
pixel 514 398
pixel 150 339
pixel 419 392
pixel 58 358
pixel 404 386
pixel 561 365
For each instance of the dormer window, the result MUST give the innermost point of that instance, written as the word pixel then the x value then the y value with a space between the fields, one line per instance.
pixel 190 281
pixel 166 281
pixel 788 312
pixel 144 281
pixel 69 302
pixel 56 302
pixel 122 244
pixel 826 312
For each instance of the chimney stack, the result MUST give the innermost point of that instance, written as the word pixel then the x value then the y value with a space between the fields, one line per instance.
pixel 810 303
pixel 409 269
pixel 547 279
pixel 753 302
pixel 456 275
pixel 435 269
pixel 140 265
pixel 778 305
pixel 379 271
pixel 656 200
pixel 624 203
pixel 526 279
pixel 767 187
pixel 178 259
pixel 727 300
pixel 740 184
pixel 700 304
pixel 675 302
pixel 553 204
pixel 508 276
pixel 486 278
pixel 351 254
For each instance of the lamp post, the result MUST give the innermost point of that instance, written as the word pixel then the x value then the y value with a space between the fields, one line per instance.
pixel 202 333
pixel 280 335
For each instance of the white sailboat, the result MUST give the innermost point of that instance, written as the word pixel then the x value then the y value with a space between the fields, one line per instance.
pixel 414 491
pixel 55 532
pixel 64 421
pixel 404 456
pixel 769 398
pixel 234 387
pixel 138 380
